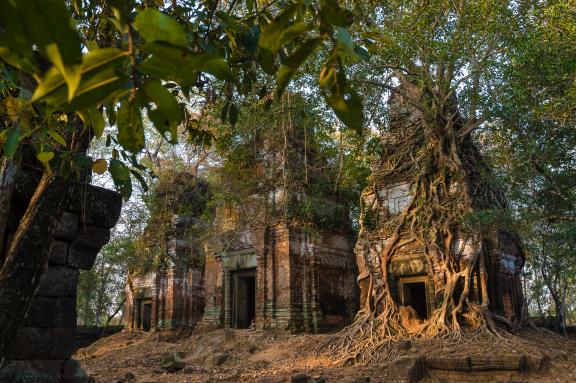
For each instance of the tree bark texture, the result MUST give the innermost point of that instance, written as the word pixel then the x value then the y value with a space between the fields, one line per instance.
pixel 7 180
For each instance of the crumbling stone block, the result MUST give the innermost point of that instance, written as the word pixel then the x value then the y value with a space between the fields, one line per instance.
pixel 58 253
pixel 99 206
pixel 406 369
pixel 67 226
pixel 34 343
pixel 92 236
pixel 82 257
pixel 40 352
pixel 52 312
pixel 58 281
pixel 31 371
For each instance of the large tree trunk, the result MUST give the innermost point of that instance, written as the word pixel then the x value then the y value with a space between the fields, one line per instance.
pixel 561 320
pixel 7 181
pixel 27 255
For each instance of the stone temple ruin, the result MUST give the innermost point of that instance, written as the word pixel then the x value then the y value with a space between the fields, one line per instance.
pixel 259 268
pixel 280 277
pixel 276 277
pixel 411 281
pixel 171 296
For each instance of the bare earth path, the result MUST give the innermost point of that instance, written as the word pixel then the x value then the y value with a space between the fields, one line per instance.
pixel 254 356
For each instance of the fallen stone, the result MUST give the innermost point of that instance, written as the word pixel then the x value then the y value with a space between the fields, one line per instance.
pixel 300 378
pixel 172 363
pixel 252 348
pixel 129 376
pixel 268 379
pixel 406 369
pixel 188 370
pixel 498 362
pixel 448 363
pixel 219 359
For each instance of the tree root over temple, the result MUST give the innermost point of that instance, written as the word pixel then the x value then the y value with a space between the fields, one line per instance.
pixel 449 182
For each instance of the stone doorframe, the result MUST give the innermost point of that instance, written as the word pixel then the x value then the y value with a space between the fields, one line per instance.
pixel 402 281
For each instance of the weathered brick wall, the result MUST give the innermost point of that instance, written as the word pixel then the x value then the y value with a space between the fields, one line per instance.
pixel 304 282
pixel 42 348
pixel 213 316
pixel 324 292
pixel 176 295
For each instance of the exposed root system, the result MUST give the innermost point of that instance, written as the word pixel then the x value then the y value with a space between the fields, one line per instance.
pixel 448 182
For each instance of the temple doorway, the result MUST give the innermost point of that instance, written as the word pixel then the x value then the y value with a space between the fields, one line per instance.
pixel 413 294
pixel 144 322
pixel 244 298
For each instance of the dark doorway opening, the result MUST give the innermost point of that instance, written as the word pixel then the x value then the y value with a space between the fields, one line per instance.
pixel 244 302
pixel 146 316
pixel 414 295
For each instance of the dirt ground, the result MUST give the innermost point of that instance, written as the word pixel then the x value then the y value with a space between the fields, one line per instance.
pixel 255 356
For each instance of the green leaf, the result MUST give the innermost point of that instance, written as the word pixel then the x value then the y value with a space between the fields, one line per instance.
pixel 332 13
pixel 294 31
pixel 140 179
pixel 292 63
pixel 170 62
pixel 167 114
pixel 71 73
pixel 81 162
pixel 93 118
pixel 48 26
pixel 271 38
pixel 130 128
pixel 45 157
pixel 163 99
pixel 346 48
pixel 224 111
pixel 341 97
pixel 57 137
pixel 156 26
pixel 15 47
pixel 100 79
pixel 100 166
pixel 348 108
pixel 91 45
pixel 121 177
pixel 249 39
pixel 97 122
pixel 118 170
pixel 230 22
pixel 12 140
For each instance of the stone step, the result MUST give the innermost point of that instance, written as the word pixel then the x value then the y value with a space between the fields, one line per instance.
pixel 478 362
